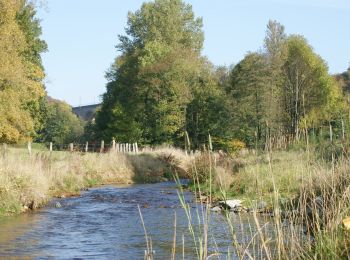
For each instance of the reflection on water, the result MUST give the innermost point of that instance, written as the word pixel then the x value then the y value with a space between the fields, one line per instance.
pixel 104 223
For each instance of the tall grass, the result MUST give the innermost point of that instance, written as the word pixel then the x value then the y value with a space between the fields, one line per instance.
pixel 308 200
pixel 30 181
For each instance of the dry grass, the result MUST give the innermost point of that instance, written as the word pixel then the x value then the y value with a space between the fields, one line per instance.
pixel 30 181
pixel 309 199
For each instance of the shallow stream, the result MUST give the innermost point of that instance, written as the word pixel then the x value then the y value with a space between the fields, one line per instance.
pixel 104 223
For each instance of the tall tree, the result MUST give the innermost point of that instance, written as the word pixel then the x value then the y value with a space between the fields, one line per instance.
pixel 20 79
pixel 150 83
pixel 208 112
pixel 35 46
pixel 274 44
pixel 249 96
pixel 310 93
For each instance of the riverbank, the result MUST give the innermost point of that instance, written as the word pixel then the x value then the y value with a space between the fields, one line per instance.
pixel 296 187
pixel 28 182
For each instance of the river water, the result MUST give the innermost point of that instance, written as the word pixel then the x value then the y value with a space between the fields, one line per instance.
pixel 104 223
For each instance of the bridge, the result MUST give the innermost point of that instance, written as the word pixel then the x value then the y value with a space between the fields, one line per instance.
pixel 86 112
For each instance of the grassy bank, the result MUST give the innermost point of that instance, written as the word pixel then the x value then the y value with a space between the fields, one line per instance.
pixel 308 197
pixel 28 182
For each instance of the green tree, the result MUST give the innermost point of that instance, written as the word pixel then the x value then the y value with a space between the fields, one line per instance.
pixel 61 125
pixel 150 83
pixel 249 93
pixel 208 111
pixel 311 95
pixel 21 86
pixel 35 46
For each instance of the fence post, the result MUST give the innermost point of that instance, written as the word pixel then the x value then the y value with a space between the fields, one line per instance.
pixel 71 147
pixel 87 147
pixel 50 148
pixel 113 145
pixel 29 148
pixel 137 148
pixel 330 132
pixel 102 146
pixel 4 150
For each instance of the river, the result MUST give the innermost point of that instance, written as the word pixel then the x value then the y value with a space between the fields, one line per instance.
pixel 104 223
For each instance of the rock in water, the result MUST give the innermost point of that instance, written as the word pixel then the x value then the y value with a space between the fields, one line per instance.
pixel 58 205
pixel 215 209
pixel 230 204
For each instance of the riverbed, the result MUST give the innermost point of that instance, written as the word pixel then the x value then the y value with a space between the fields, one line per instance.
pixel 104 223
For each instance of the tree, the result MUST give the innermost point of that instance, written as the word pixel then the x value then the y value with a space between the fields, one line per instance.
pixel 249 93
pixel 274 44
pixel 150 83
pixel 61 125
pixel 35 46
pixel 20 79
pixel 208 112
pixel 310 93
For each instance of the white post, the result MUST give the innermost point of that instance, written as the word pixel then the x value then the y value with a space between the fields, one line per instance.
pixel 102 146
pixel 137 148
pixel 87 147
pixel 4 146
pixel 113 145
pixel 71 147
pixel 50 148
pixel 30 148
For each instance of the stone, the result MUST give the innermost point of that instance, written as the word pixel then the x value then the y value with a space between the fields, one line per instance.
pixel 215 209
pixel 230 204
pixel 58 205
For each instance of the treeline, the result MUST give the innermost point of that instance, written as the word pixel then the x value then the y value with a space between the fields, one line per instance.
pixel 26 112
pixel 160 87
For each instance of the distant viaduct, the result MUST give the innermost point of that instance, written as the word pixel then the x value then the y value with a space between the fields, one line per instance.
pixel 86 113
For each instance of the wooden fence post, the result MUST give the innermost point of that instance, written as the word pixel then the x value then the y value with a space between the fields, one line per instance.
pixel 113 145
pixel 87 147
pixel 71 147
pixel 102 146
pixel 29 148
pixel 4 150
pixel 50 148
pixel 330 132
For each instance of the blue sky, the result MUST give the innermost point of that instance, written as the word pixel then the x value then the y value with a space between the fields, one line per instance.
pixel 81 35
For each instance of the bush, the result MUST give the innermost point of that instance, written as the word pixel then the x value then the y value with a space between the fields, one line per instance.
pixel 230 146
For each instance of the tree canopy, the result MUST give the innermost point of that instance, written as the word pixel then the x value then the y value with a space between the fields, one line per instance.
pixel 21 71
